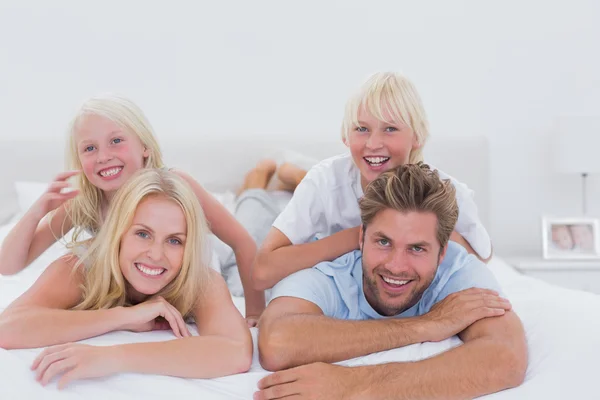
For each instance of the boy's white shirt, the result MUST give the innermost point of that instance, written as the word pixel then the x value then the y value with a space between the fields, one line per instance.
pixel 326 202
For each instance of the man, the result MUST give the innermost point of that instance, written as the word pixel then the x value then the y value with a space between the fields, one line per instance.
pixel 408 270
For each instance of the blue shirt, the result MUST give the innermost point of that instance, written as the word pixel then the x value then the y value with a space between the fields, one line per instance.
pixel 337 286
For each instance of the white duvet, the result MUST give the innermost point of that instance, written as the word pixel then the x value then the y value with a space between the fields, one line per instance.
pixel 563 334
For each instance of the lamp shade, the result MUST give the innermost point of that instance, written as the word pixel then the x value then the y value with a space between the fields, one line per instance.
pixel 576 144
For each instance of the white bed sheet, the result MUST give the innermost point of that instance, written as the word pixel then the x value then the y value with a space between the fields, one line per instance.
pixel 563 333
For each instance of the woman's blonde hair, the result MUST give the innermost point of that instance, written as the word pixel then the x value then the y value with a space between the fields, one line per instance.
pixel 104 285
pixel 84 210
pixel 389 93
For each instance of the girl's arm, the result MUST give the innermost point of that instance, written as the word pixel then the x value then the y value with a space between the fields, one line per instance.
pixel 229 230
pixel 224 346
pixel 41 316
pixel 30 238
pixel 278 257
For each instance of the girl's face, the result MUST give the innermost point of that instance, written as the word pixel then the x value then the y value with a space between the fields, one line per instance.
pixel 378 146
pixel 152 249
pixel 109 155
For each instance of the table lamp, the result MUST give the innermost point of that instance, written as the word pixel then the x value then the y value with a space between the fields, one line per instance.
pixel 576 147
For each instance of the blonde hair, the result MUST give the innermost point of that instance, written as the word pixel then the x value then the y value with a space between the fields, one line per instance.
pixel 389 93
pixel 84 210
pixel 412 187
pixel 104 285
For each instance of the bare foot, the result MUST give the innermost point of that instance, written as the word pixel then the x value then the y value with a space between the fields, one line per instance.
pixel 289 176
pixel 259 176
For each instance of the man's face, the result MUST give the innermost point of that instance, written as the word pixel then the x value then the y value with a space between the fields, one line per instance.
pixel 400 256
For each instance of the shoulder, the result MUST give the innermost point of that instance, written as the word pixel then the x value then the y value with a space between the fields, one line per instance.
pixel 460 270
pixel 333 171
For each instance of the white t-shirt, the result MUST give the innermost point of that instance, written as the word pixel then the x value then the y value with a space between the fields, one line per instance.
pixel 326 202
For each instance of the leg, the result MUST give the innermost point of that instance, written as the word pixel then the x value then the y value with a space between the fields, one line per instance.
pixel 289 176
pixel 259 176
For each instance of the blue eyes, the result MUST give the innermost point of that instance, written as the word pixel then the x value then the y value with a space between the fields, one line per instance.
pixel 383 242
pixel 146 235
pixel 362 129
pixel 89 148
pixel 417 249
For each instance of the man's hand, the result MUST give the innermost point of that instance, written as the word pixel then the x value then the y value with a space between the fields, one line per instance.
pixel 311 381
pixel 460 310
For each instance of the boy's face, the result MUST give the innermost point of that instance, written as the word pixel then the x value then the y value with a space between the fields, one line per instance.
pixel 378 146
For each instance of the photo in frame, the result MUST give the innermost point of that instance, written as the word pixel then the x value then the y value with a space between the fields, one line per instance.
pixel 570 238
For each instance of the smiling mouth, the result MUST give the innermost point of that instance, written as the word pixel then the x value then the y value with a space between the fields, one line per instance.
pixel 106 173
pixel 376 161
pixel 148 270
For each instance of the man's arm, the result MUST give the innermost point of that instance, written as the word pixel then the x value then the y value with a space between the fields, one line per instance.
pixel 294 331
pixel 493 358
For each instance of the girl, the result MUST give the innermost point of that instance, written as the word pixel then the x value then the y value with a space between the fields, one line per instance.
pixel 384 126
pixel 109 140
pixel 149 260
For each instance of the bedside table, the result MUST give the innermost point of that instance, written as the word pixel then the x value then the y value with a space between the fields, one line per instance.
pixel 573 274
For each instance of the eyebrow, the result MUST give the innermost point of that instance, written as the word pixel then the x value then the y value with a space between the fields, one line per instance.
pixel 382 235
pixel 110 133
pixel 146 227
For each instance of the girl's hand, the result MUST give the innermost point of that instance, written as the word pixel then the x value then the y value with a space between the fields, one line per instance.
pixel 74 361
pixel 143 317
pixel 55 196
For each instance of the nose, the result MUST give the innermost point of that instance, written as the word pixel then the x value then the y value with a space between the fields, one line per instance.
pixel 104 156
pixel 155 251
pixel 397 262
pixel 374 141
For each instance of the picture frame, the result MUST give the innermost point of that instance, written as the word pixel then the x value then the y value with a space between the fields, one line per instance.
pixel 571 238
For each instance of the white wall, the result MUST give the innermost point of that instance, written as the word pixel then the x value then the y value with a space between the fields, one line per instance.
pixel 505 70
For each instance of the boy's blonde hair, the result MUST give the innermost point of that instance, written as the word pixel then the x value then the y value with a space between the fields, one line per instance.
pixel 389 93
pixel 104 285
pixel 84 210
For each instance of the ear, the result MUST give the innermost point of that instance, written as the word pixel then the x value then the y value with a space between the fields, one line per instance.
pixel 146 152
pixel 415 142
pixel 361 237
pixel 345 140
pixel 442 254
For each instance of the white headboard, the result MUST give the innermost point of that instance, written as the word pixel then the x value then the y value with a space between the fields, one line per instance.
pixel 221 165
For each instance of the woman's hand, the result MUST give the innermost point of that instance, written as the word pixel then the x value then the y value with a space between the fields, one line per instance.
pixel 55 196
pixel 143 317
pixel 74 361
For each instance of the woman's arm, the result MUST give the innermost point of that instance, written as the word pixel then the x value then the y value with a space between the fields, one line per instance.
pixel 278 257
pixel 41 316
pixel 224 346
pixel 229 230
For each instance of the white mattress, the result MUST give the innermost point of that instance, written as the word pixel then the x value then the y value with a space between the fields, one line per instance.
pixel 563 333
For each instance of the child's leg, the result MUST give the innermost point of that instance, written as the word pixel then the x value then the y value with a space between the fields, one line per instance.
pixel 259 177
pixel 289 176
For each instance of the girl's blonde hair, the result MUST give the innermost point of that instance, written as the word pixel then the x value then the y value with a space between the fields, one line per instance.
pixel 84 210
pixel 389 93
pixel 104 285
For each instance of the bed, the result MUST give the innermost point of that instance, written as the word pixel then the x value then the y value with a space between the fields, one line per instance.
pixel 562 326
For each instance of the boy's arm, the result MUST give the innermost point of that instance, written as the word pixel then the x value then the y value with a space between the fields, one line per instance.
pixel 278 257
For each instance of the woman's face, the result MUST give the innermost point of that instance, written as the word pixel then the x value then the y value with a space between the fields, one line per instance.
pixel 152 249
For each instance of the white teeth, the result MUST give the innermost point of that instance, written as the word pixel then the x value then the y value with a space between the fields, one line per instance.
pixel 111 171
pixel 149 271
pixel 394 281
pixel 376 161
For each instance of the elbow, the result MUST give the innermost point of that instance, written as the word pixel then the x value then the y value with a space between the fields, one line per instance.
pixel 9 338
pixel 261 279
pixel 243 361
pixel 513 365
pixel 273 350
